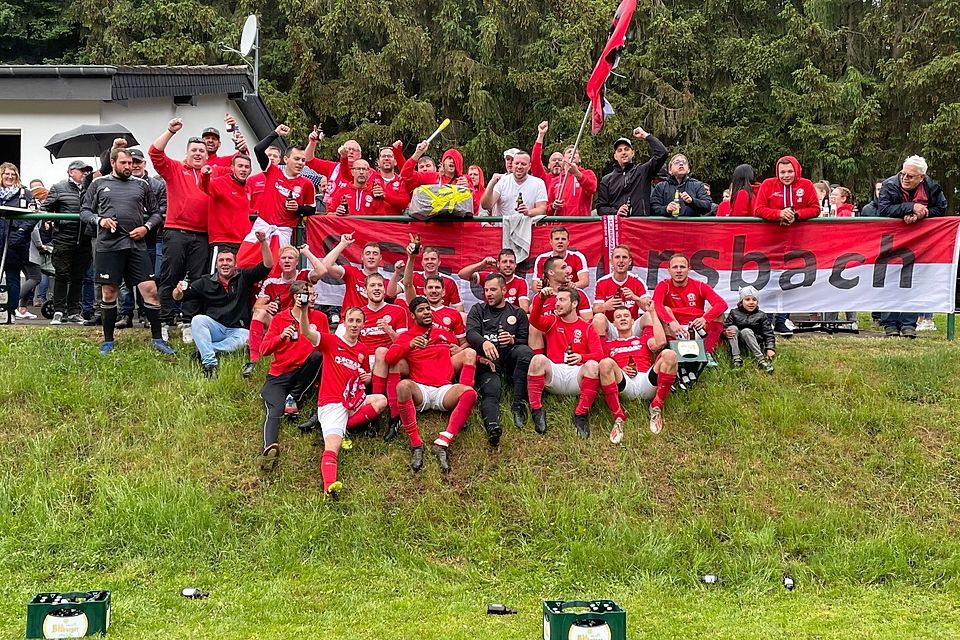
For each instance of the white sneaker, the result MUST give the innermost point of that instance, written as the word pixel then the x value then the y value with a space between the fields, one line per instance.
pixel 656 420
pixel 186 334
pixel 926 324
pixel 24 315
pixel 790 325
pixel 616 434
pixel 57 318
pixel 165 333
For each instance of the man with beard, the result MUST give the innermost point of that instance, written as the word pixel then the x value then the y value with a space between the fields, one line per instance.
pixel 625 191
pixel 388 187
pixel 506 265
pixel 618 289
pixel 228 221
pixel 570 188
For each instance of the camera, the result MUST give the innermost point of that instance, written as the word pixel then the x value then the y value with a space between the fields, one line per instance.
pixel 303 298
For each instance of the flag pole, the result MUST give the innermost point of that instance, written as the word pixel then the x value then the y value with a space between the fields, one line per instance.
pixel 573 152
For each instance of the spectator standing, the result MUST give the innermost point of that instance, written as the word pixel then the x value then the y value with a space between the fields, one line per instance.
pixel 72 248
pixel 625 191
pixel 517 192
pixel 740 198
pixel 15 234
pixel 680 195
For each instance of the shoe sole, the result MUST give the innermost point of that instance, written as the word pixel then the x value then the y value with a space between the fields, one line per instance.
pixel 269 459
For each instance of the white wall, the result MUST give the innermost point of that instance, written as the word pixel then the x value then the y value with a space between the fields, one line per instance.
pixel 37 121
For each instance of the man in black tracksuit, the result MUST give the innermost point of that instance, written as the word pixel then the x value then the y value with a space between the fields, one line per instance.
pixel 72 249
pixel 498 331
pixel 626 190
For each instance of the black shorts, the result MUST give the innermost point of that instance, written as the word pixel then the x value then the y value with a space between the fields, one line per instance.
pixel 127 265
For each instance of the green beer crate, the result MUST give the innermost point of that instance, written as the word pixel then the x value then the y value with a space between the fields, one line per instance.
pixel 583 620
pixel 68 615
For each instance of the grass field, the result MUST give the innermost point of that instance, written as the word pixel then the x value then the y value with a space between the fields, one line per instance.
pixel 136 474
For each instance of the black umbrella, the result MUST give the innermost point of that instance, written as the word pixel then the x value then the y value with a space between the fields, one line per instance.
pixel 87 140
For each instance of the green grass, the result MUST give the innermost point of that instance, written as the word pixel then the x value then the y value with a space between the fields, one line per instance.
pixel 135 474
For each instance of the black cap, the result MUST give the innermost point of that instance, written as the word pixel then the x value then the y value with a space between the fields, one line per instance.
pixel 79 164
pixel 210 131
pixel 136 153
pixel 416 302
pixel 620 141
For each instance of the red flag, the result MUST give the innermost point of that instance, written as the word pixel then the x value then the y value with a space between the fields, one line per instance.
pixel 607 62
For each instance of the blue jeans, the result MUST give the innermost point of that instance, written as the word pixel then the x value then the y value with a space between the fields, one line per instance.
pixel 211 337
pixel 899 320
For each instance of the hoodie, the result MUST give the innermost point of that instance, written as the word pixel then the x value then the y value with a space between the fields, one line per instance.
pixel 774 196
pixel 478 189
pixel 414 178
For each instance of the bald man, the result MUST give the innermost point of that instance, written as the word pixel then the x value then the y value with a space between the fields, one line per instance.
pixel 356 198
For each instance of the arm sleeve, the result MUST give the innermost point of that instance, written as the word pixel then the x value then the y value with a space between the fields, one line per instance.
pixel 261 149
pixel 767 333
pixel 762 208
pixel 205 184
pixel 154 219
pixel 595 345
pixel 536 162
pixel 659 297
pixel 161 162
pixel 658 200
pixel 604 205
pixel 162 199
pixel 399 198
pixel 270 341
pixel 589 182
pixel 398 154
pixel 537 319
pixel 717 304
pixel 702 203
pixel 88 206
pixel 890 203
pixel 938 203
pixel 809 206
pixel 52 202
pixel 658 155
pixel 323 167
pixel 398 350
pixel 474 335
pixel 522 336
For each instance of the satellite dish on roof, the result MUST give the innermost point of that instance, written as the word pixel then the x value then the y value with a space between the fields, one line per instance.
pixel 248 39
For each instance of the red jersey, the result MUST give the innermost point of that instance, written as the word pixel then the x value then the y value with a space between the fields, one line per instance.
pixel 288 355
pixel 608 287
pixel 336 172
pixel 356 293
pixel 551 302
pixel 256 184
pixel 395 198
pixel 515 289
pixel 276 288
pixel 221 161
pixel 622 350
pixel 451 292
pixel 577 193
pixel 431 365
pixel 186 201
pixel 372 335
pixel 559 334
pixel 342 365
pixel 774 196
pixel 360 200
pixel 229 210
pixel 450 319
pixel 576 260
pixel 687 302
pixel 277 187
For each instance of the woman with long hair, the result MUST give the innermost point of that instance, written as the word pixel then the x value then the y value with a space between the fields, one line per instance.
pixel 742 189
pixel 14 235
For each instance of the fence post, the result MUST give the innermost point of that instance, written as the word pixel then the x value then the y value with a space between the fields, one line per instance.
pixel 951 326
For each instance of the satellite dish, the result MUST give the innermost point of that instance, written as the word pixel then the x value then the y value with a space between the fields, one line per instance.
pixel 248 39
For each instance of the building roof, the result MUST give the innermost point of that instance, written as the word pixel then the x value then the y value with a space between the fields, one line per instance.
pixel 117 83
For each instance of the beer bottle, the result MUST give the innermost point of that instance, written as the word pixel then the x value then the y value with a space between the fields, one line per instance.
pixel 519 201
pixel 23 198
pixel 569 348
pixel 343 203
pixel 631 364
pixel 676 201
pixel 629 207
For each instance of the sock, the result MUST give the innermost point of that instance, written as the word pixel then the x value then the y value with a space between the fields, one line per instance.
pixel 365 414
pixel 328 468
pixel 408 414
pixel 467 374
pixel 108 311
pixel 612 395
pixel 664 383
pixel 588 393
pixel 256 339
pixel 393 379
pixel 379 385
pixel 535 385
pixel 539 352
pixel 153 317
pixel 458 418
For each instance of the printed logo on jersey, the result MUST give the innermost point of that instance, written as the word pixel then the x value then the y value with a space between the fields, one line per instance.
pixel 577 335
pixel 511 320
pixel 800 192
pixel 511 292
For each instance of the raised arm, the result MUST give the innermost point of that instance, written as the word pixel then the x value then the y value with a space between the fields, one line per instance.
pixel 330 260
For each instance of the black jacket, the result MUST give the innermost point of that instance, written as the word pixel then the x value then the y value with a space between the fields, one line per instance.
pixel 757 321
pixel 231 306
pixel 631 181
pixel 130 202
pixel 664 192
pixel 66 197
pixel 891 204
pixel 15 234
pixel 484 322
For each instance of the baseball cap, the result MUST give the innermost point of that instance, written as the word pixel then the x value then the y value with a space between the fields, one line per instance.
pixel 212 131
pixel 79 164
pixel 511 152
pixel 136 154
pixel 620 141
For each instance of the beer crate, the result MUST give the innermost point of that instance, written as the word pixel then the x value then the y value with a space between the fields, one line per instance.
pixel 68 615
pixel 583 620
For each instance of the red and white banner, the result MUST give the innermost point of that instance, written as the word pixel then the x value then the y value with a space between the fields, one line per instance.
pixel 809 267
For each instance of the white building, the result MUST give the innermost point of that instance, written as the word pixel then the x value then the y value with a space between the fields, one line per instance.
pixel 37 101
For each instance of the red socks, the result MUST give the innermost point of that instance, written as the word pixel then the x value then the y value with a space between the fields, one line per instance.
pixel 364 414
pixel 328 468
pixel 257 329
pixel 612 396
pixel 664 384
pixel 393 379
pixel 467 374
pixel 458 418
pixel 408 418
pixel 379 385
pixel 535 385
pixel 588 393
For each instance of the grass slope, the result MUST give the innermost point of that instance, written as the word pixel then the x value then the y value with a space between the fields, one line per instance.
pixel 137 475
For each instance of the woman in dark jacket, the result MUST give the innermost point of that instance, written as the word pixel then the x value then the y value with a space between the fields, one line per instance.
pixel 14 235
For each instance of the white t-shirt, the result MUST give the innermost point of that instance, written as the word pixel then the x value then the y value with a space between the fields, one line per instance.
pixel 533 190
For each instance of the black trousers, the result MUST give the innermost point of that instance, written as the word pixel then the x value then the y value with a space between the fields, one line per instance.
pixel 276 389
pixel 513 365
pixel 184 253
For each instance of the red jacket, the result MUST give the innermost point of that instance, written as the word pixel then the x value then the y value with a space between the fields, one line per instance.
pixel 414 178
pixel 742 204
pixel 395 198
pixel 774 196
pixel 845 210
pixel 186 202
pixel 360 202
pixel 289 355
pixel 577 194
pixel 229 211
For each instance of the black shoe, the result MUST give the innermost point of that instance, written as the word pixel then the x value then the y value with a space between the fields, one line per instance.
pixel 737 362
pixel 312 423
pixel 126 322
pixel 416 458
pixel 493 435
pixel 209 371
pixel 95 319
pixel 372 428
pixel 519 413
pixel 781 328
pixel 393 429
pixel 908 332
pixel 539 420
pixel 443 457
pixel 580 424
pixel 247 369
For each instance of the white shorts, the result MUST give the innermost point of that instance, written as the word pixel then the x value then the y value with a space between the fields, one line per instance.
pixel 639 386
pixel 563 379
pixel 285 234
pixel 638 326
pixel 333 419
pixel 432 397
